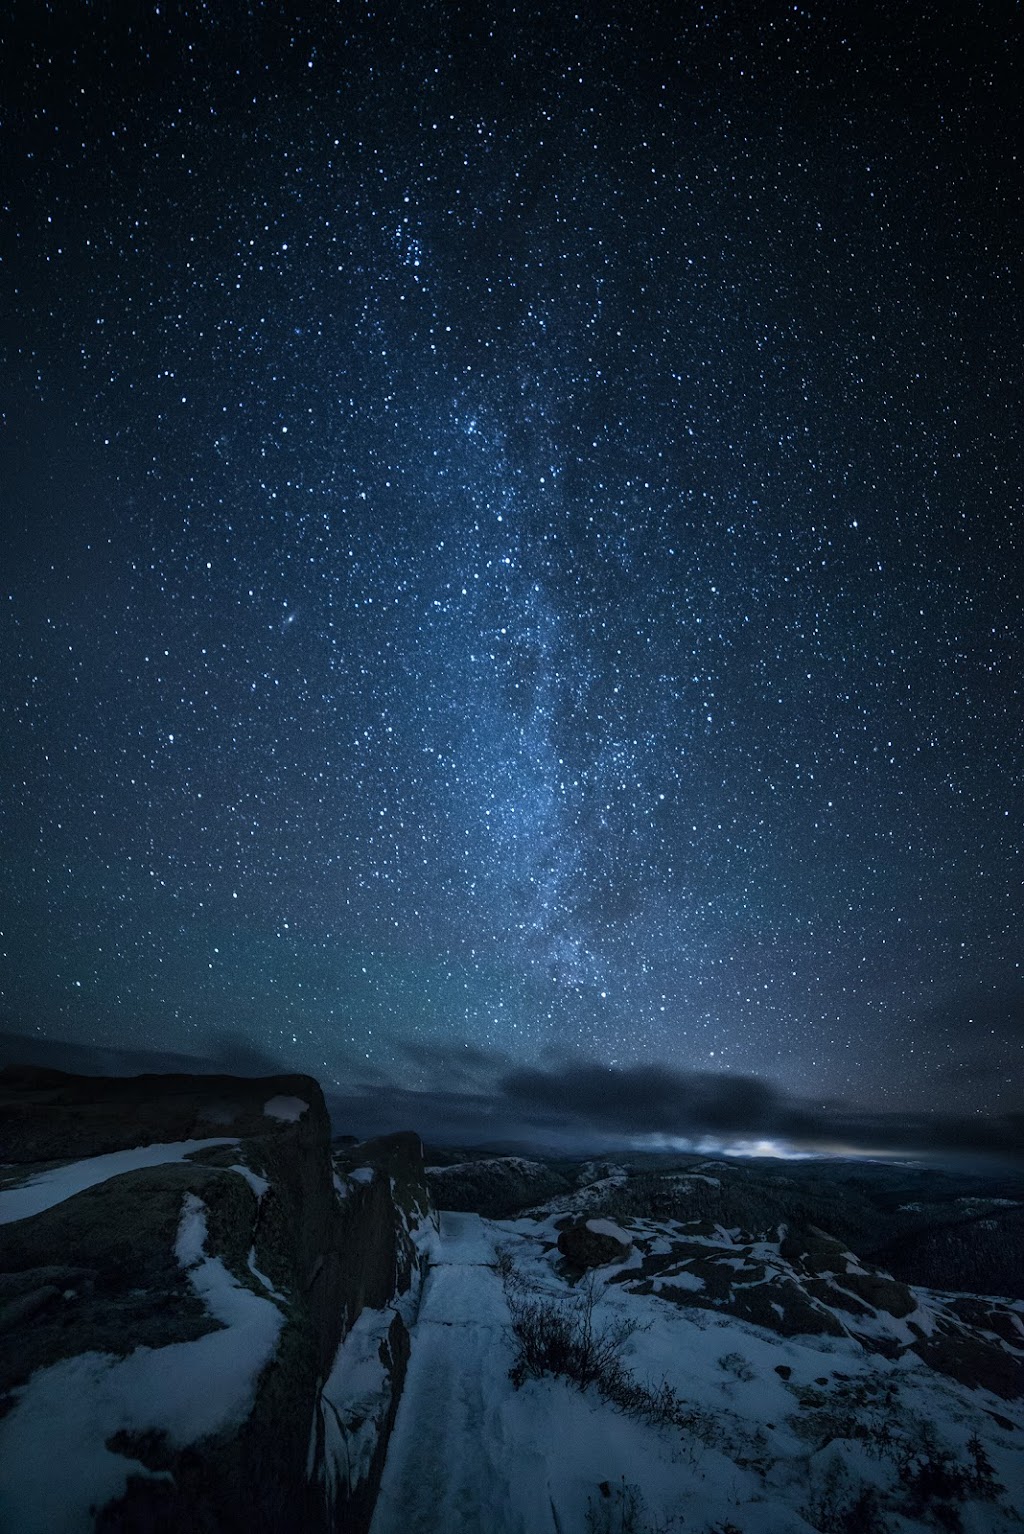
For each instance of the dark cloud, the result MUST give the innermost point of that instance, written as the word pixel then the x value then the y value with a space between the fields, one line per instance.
pixel 648 1099
pixel 460 1093
pixel 444 1118
pixel 651 1099
pixel 444 1066
pixel 465 1094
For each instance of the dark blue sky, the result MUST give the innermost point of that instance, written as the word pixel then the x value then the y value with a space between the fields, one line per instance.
pixel 511 529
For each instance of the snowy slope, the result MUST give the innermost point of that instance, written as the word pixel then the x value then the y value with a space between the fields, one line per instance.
pixel 841 1443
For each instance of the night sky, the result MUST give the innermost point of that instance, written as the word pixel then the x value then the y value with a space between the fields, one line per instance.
pixel 511 544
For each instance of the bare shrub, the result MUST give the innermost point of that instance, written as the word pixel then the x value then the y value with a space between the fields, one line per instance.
pixel 616 1509
pixel 560 1337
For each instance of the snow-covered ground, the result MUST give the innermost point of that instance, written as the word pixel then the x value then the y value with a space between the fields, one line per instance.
pixel 767 1455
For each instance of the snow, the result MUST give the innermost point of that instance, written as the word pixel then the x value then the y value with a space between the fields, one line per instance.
pixel 258 1184
pixel 288 1109
pixel 66 1413
pixel 354 1403
pixel 264 1280
pixel 191 1239
pixel 681 1280
pixel 471 1452
pixel 360 1176
pixel 609 1228
pixel 53 1187
pixel 356 1399
pixel 450 1464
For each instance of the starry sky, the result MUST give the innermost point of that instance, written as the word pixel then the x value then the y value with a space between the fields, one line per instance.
pixel 511 542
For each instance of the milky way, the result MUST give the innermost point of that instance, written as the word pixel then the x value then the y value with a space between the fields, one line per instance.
pixel 511 538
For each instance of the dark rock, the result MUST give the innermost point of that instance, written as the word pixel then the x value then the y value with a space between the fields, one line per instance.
pixel 584 1248
pixel 496 1187
pixel 16 1312
pixel 989 1316
pixel 815 1251
pixel 325 1257
pixel 881 1291
pixel 50 1116
pixel 974 1361
pixel 783 1371
pixel 1003 1422
pixel 783 1307
pixel 829 1293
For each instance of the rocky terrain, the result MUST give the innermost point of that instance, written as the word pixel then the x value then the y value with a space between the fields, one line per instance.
pixel 676 1344
pixel 213 1317
pixel 185 1274
pixel 495 1186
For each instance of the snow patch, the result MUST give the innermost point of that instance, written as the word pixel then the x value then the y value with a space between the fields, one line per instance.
pixel 609 1228
pixel 191 1239
pixel 469 1451
pixel 354 1404
pixel 258 1184
pixel 66 1413
pixel 54 1187
pixel 684 1279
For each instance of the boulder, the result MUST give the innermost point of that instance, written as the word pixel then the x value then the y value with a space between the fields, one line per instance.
pixel 593 1244
pixel 881 1291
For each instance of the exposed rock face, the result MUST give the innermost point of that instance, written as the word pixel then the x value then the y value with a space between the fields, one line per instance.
pixel 384 1235
pixel 174 1327
pixel 497 1187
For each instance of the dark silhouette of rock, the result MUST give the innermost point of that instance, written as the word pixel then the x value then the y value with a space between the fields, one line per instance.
pixel 495 1186
pixel 584 1247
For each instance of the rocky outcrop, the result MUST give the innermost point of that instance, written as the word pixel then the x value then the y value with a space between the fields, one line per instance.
pixel 805 1282
pixel 189 1286
pixel 497 1187
pixel 593 1244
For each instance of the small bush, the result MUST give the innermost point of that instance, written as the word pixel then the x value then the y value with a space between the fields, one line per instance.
pixel 560 1337
pixel 983 1476
pixel 936 1482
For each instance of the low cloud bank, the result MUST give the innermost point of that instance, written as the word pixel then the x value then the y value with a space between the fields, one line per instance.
pixel 656 1100
pixel 458 1093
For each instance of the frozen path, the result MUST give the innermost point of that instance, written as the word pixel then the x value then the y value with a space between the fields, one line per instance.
pixel 459 1457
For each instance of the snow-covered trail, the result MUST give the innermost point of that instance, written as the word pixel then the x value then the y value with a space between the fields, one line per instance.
pixel 456 1460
